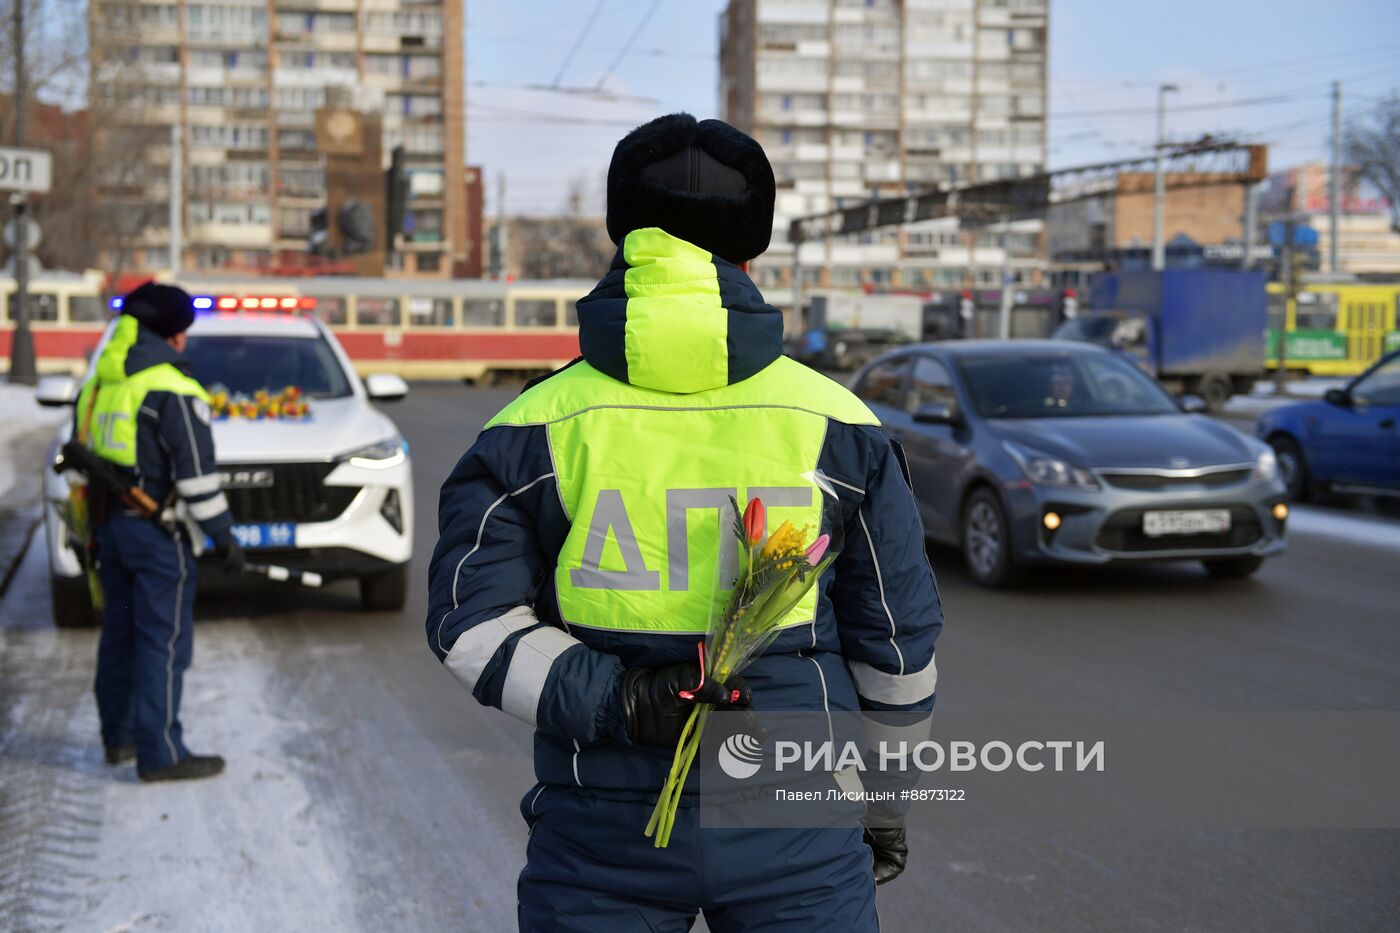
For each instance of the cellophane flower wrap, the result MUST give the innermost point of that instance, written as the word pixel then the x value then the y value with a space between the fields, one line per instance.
pixel 774 573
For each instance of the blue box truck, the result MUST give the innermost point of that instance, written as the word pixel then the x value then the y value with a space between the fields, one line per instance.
pixel 1198 331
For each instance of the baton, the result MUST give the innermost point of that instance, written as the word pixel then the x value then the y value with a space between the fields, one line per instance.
pixel 284 574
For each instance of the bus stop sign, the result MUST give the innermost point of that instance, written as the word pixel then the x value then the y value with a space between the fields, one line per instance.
pixel 27 170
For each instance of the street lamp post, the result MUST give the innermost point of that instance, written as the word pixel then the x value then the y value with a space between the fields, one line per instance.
pixel 1159 181
pixel 22 366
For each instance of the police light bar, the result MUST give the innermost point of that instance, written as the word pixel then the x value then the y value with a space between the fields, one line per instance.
pixel 287 304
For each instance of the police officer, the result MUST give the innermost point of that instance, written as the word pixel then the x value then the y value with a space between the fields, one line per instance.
pixel 144 412
pixel 570 585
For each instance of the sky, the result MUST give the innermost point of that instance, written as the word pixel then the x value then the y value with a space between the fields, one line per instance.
pixel 1258 68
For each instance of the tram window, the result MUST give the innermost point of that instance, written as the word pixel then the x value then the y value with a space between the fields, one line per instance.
pixel 430 312
pixel 536 312
pixel 42 307
pixel 1319 313
pixel 571 313
pixel 377 311
pixel 86 308
pixel 332 310
pixel 483 313
pixel 1278 302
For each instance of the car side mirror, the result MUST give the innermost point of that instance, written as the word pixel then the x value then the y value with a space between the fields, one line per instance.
pixel 385 387
pixel 1339 397
pixel 56 391
pixel 1191 404
pixel 936 413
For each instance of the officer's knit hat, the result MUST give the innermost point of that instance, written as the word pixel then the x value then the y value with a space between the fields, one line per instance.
pixel 165 309
pixel 704 182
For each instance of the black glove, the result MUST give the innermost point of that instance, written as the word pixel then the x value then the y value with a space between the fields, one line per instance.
pixel 230 554
pixel 891 851
pixel 657 701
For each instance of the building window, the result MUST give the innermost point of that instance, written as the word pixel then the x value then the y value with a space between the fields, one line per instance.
pixel 430 262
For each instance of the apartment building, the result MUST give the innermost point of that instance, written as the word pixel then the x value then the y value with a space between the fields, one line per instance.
pixel 243 80
pixel 854 99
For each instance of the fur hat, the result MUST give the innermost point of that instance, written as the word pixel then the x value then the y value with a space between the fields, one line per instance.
pixel 165 309
pixel 704 182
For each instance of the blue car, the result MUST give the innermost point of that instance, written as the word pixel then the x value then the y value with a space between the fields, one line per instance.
pixel 1033 451
pixel 1347 442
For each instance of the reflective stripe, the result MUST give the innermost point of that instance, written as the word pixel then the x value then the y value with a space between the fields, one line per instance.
pixel 529 669
pixel 899 689
pixel 880 584
pixel 479 644
pixel 209 508
pixel 200 485
pixel 904 728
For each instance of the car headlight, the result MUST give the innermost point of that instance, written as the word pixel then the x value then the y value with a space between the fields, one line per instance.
pixel 380 456
pixel 1266 467
pixel 1044 470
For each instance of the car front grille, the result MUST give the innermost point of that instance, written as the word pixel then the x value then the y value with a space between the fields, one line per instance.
pixel 1149 481
pixel 1122 532
pixel 297 493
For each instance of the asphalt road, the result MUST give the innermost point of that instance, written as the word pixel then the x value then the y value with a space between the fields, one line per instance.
pixel 368 790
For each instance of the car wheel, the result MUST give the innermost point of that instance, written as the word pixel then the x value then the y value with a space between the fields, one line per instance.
pixel 1233 568
pixel 986 541
pixel 384 592
pixel 1292 465
pixel 1216 389
pixel 72 603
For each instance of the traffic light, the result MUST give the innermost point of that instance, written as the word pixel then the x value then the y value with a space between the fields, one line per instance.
pixel 356 222
pixel 319 242
pixel 395 198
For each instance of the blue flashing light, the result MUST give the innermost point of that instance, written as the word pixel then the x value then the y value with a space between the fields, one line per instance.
pixel 203 303
pixel 115 303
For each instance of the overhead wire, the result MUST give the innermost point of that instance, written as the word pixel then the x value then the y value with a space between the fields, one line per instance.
pixel 578 41
pixel 631 40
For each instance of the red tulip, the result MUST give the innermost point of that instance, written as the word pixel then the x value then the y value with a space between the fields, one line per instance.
pixel 755 520
pixel 818 548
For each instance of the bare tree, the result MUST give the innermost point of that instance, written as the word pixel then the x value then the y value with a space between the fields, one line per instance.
pixel 85 105
pixel 571 245
pixel 1372 144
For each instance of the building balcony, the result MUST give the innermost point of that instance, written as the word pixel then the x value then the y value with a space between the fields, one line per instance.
pixel 231 235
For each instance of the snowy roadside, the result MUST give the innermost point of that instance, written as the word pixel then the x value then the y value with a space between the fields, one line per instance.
pixel 25 432
pixel 88 847
pixel 1263 397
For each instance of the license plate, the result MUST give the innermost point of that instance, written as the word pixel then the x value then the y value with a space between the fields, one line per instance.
pixel 1188 522
pixel 273 534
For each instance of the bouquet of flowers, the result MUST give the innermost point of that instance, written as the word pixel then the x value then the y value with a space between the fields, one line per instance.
pixel 773 577
pixel 261 404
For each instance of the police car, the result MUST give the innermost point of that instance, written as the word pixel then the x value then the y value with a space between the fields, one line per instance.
pixel 328 490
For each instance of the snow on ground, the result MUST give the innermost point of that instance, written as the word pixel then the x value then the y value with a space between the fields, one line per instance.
pixel 88 847
pixel 24 428
pixel 1357 529
pixel 1263 397
pixel 163 858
